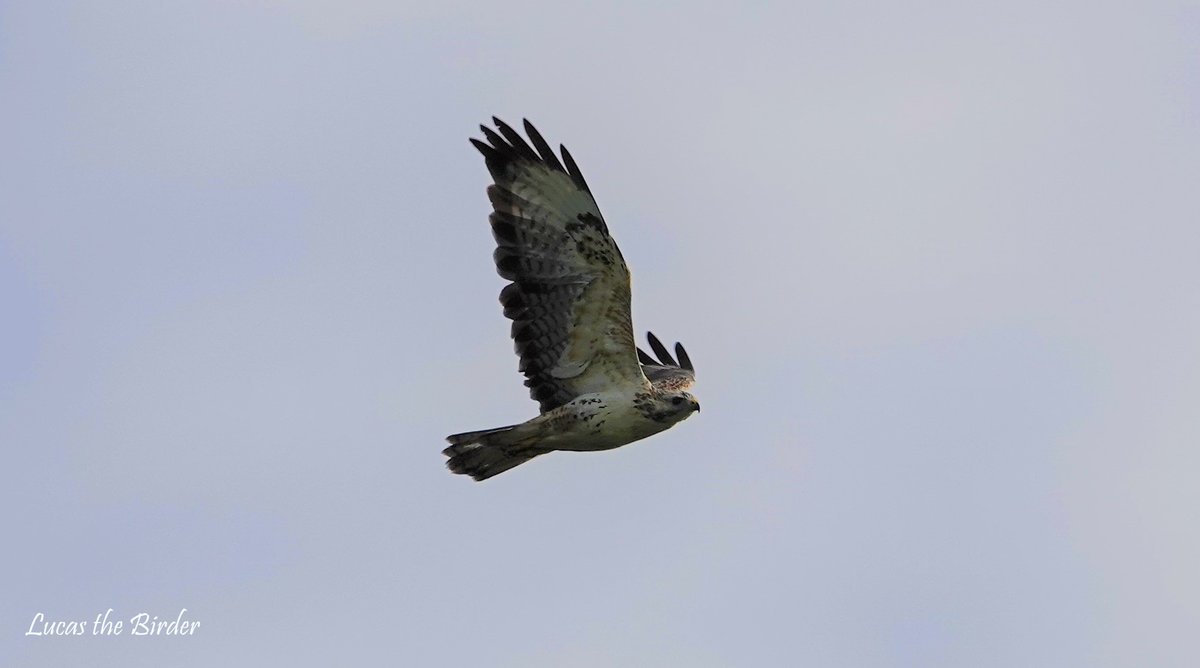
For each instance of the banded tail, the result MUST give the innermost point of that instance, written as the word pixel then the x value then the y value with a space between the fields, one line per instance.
pixel 483 454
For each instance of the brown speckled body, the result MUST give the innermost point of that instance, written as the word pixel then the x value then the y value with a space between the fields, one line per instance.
pixel 597 421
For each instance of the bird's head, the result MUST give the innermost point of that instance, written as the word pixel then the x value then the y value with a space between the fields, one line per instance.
pixel 677 406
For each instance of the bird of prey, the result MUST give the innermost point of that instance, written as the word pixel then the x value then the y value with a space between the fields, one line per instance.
pixel 569 303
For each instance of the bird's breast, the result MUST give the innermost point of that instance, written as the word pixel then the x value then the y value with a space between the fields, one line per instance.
pixel 599 422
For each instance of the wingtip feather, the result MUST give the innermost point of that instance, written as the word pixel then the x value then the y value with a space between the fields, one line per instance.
pixel 684 360
pixel 659 349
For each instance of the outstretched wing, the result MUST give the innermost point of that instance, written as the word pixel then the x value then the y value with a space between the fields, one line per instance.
pixel 569 296
pixel 665 373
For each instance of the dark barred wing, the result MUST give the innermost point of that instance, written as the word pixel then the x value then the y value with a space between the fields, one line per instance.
pixel 664 372
pixel 569 296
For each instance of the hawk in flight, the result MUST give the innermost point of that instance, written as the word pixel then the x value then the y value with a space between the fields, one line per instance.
pixel 569 303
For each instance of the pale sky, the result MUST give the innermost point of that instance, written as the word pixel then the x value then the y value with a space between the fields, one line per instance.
pixel 936 265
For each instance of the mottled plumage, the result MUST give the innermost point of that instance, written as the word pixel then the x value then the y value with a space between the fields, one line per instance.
pixel 569 303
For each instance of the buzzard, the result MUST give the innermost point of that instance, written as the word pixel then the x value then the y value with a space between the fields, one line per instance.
pixel 569 303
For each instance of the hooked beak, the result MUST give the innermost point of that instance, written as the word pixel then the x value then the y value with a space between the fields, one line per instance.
pixel 696 405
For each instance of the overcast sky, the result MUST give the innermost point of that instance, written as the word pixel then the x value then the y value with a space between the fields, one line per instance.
pixel 936 264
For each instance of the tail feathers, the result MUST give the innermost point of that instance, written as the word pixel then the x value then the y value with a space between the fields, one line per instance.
pixel 476 436
pixel 481 454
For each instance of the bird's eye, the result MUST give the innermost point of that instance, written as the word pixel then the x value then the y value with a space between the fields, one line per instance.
pixel 677 400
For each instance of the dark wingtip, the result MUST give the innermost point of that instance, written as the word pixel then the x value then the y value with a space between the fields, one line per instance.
pixel 664 356
pixel 659 349
pixel 573 169
pixel 684 360
pixel 508 144
pixel 543 148
pixel 494 139
pixel 489 152
pixel 516 140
